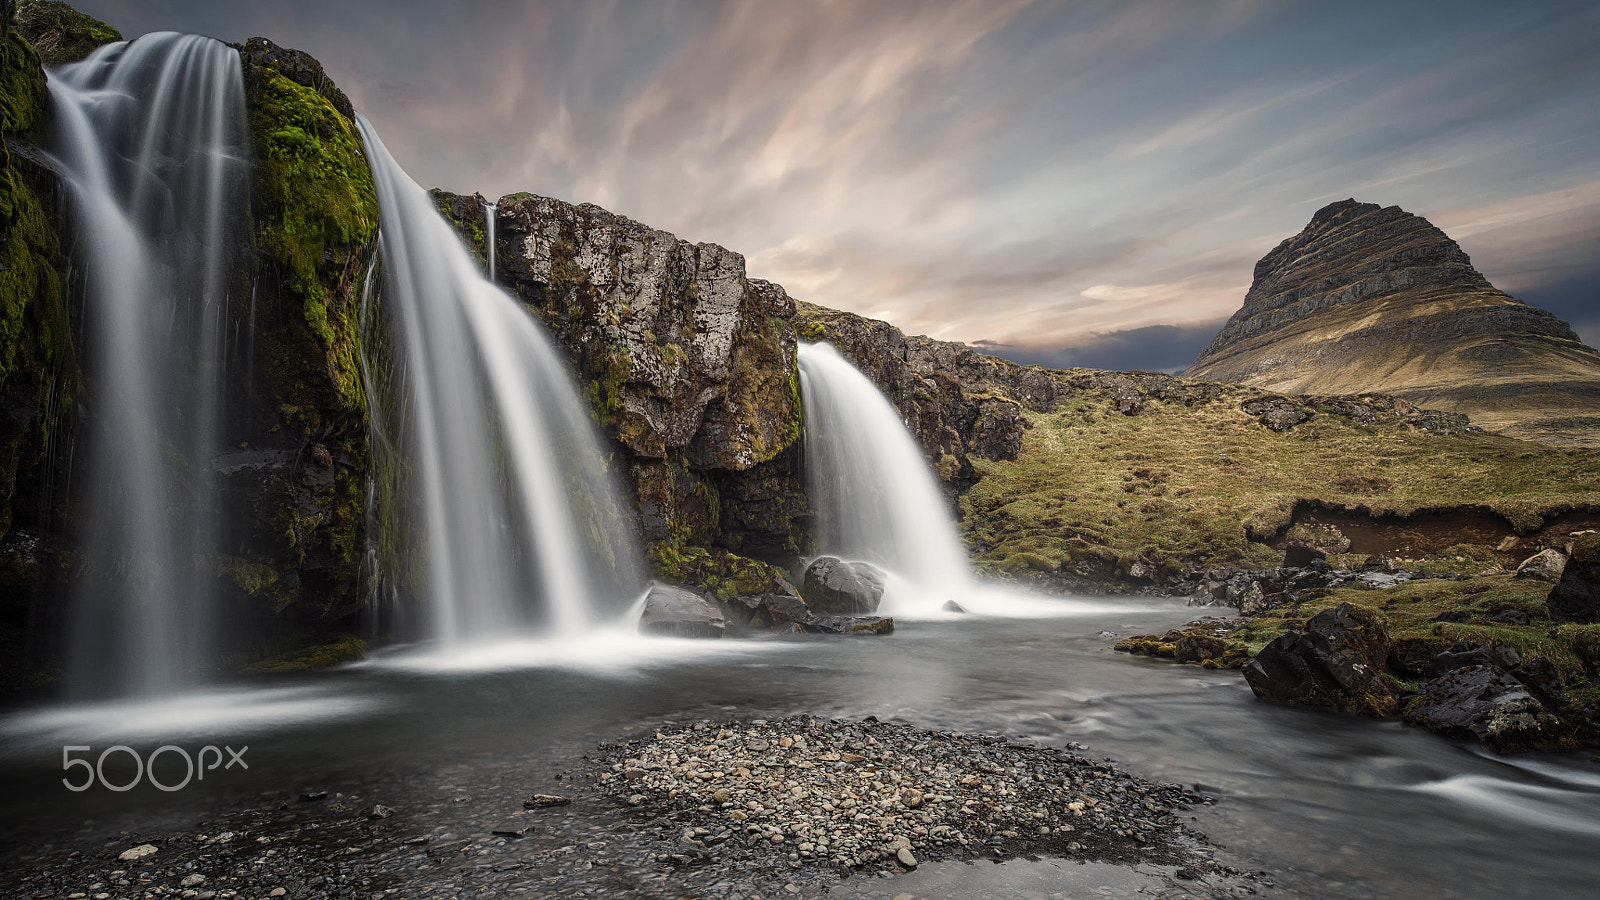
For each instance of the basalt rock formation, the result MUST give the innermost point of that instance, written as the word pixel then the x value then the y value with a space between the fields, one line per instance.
pixel 1370 299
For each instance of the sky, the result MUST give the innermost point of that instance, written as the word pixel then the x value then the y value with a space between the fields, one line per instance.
pixel 1071 183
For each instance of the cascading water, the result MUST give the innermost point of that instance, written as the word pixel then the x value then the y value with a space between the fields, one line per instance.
pixel 876 500
pixel 150 142
pixel 508 525
pixel 874 496
pixel 489 210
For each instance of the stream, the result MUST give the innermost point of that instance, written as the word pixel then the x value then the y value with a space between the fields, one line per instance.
pixel 1328 806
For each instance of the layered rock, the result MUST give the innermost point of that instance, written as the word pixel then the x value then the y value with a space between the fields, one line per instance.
pixel 1370 299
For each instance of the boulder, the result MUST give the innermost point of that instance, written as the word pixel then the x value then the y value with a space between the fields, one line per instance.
pixel 1510 617
pixel 1480 702
pixel 833 586
pixel 1576 597
pixel 1542 680
pixel 1256 601
pixel 850 625
pixel 1298 555
pixel 1462 654
pixel 1336 663
pixel 675 612
pixel 1546 565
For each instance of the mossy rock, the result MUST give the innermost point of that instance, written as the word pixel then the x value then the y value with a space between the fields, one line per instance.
pixel 60 33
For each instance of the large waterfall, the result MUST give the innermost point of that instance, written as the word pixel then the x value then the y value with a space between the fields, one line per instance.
pixel 509 526
pixel 150 141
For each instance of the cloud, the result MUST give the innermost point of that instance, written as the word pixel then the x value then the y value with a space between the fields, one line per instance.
pixel 1036 174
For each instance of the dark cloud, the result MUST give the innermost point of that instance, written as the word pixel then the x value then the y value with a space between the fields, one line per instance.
pixel 1156 348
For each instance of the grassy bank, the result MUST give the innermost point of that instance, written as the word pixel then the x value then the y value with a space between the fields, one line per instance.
pixel 1204 478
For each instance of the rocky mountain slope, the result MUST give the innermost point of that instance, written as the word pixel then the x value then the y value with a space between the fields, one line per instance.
pixel 1370 299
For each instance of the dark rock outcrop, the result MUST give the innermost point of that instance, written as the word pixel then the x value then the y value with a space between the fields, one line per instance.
pixel 1576 597
pixel 688 364
pixel 1377 299
pixel 837 587
pixel 1336 663
pixel 1478 701
pixel 675 612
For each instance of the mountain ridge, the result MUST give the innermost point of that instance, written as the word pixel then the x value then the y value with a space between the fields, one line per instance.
pixel 1369 298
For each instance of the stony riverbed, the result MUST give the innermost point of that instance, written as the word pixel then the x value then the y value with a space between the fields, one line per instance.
pixel 708 809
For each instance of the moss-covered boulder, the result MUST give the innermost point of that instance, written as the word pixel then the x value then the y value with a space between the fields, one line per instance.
pixel 1336 663
pixel 60 33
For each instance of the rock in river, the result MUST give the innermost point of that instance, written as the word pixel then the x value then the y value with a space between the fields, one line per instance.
pixel 676 612
pixel 1336 663
pixel 836 587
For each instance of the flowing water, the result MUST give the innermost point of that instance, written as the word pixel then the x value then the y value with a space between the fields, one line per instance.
pixel 506 524
pixel 149 138
pixel 489 211
pixel 1332 806
pixel 876 499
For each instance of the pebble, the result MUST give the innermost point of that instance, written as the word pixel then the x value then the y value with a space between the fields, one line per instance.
pixel 139 852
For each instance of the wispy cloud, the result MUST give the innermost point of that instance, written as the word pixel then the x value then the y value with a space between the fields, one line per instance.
pixel 1032 173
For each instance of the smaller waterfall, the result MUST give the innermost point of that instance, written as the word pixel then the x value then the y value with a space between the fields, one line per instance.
pixel 876 499
pixel 506 524
pixel 873 492
pixel 489 210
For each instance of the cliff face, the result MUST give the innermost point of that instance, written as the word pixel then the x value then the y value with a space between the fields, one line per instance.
pixel 1370 299
pixel 688 364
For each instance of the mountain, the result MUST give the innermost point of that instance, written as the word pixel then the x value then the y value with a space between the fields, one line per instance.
pixel 1375 299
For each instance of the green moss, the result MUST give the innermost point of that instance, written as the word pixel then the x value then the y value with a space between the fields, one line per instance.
pixel 612 367
pixel 723 574
pixel 319 212
pixel 345 649
pixel 61 33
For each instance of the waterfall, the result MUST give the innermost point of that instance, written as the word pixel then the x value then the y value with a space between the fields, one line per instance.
pixel 489 210
pixel 874 495
pixel 149 139
pixel 508 524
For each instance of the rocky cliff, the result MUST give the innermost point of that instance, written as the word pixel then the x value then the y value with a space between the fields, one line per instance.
pixel 1370 299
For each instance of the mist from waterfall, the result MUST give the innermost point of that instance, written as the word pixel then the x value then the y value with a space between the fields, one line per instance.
pixel 507 525
pixel 150 140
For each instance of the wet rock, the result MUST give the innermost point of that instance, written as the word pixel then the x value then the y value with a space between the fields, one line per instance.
pixel 545 801
pixel 906 857
pixel 952 606
pixel 834 586
pixel 1546 565
pixel 1576 597
pixel 850 625
pixel 1479 702
pixel 377 811
pixel 675 612
pixel 1335 663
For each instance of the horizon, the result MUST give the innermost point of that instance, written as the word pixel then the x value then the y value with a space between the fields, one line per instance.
pixel 1067 184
